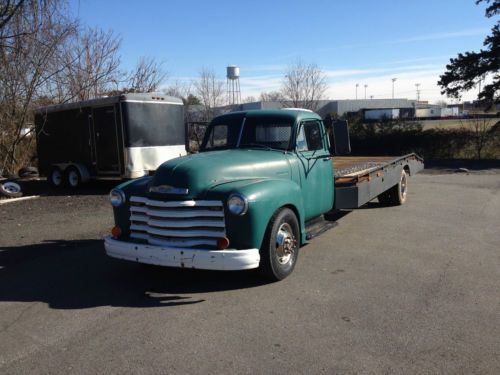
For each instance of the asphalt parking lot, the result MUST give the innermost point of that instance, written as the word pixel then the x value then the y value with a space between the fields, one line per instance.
pixel 410 289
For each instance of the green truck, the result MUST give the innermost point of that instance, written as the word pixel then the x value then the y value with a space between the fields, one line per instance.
pixel 259 188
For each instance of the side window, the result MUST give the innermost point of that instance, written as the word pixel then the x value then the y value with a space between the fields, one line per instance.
pixel 309 137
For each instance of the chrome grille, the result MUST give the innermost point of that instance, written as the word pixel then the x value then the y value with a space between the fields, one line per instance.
pixel 178 224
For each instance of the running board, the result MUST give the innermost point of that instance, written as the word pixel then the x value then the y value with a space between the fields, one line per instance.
pixel 317 226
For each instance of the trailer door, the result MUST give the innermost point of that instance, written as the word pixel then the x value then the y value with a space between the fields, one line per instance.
pixel 106 140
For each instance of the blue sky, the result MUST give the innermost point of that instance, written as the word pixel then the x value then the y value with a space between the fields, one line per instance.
pixel 357 41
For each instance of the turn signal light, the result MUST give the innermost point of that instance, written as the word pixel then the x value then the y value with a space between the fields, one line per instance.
pixel 116 231
pixel 222 243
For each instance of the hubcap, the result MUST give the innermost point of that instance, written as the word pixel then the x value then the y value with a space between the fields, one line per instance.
pixel 403 185
pixel 285 244
pixel 56 178
pixel 73 178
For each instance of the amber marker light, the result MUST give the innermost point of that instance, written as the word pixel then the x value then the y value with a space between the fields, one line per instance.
pixel 222 243
pixel 116 231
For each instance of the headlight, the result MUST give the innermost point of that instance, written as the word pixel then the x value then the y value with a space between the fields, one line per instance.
pixel 117 197
pixel 237 204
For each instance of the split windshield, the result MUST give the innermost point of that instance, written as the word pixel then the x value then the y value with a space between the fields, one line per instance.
pixel 265 132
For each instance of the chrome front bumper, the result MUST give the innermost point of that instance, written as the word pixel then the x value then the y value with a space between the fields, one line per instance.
pixel 222 260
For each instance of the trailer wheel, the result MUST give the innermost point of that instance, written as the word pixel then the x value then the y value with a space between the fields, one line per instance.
pixel 280 248
pixel 72 177
pixel 396 195
pixel 11 189
pixel 55 177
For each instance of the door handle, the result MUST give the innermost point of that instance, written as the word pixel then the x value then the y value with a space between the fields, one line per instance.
pixel 327 158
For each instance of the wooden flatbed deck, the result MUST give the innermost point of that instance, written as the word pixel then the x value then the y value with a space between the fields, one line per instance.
pixel 348 166
pixel 359 179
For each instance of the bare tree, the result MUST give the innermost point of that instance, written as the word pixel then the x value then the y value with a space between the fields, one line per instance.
pixel 480 135
pixel 304 85
pixel 147 76
pixel 31 37
pixel 210 90
pixel 90 65
pixel 271 96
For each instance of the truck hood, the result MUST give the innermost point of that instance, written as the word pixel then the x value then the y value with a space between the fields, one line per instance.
pixel 200 172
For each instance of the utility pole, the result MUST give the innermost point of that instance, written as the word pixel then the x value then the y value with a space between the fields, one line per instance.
pixel 393 80
pixel 357 85
pixel 365 90
pixel 417 85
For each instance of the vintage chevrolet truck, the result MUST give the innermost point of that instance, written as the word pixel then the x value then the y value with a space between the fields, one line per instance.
pixel 258 189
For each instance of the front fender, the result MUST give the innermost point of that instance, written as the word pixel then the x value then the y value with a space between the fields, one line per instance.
pixel 264 198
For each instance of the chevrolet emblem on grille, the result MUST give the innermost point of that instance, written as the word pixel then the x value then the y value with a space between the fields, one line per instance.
pixel 167 189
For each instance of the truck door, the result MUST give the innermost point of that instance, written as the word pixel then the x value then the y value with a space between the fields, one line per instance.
pixel 316 173
pixel 106 140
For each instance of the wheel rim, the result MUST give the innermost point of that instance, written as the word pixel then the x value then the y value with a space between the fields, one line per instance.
pixel 73 178
pixel 12 187
pixel 56 177
pixel 404 185
pixel 285 244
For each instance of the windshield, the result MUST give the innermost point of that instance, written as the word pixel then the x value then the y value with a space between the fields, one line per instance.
pixel 264 132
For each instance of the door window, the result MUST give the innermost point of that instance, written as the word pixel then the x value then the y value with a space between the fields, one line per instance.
pixel 309 137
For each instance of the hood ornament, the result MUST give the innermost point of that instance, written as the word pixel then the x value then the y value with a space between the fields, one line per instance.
pixel 167 189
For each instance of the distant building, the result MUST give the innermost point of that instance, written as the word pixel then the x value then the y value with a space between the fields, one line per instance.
pixel 337 107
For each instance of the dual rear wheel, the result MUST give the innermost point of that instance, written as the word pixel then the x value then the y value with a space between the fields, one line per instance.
pixel 70 177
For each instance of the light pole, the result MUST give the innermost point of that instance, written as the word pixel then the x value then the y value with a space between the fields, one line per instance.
pixel 417 85
pixel 365 90
pixel 357 85
pixel 393 80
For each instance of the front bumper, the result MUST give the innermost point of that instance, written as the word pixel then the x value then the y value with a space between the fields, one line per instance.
pixel 222 260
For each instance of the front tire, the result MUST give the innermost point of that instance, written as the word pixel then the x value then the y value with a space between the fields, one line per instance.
pixel 280 248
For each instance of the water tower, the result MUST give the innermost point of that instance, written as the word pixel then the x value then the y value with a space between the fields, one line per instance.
pixel 233 84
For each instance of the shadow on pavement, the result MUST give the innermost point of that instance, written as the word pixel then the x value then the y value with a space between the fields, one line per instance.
pixel 78 274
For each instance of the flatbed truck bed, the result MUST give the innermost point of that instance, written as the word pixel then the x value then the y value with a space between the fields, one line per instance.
pixel 360 179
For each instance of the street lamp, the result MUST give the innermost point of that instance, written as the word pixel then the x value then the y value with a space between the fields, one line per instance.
pixel 365 90
pixel 393 80
pixel 357 85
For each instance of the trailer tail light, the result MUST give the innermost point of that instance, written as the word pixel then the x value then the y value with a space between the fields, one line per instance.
pixel 116 231
pixel 222 243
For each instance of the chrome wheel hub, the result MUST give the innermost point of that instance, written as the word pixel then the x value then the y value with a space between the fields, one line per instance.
pixel 285 244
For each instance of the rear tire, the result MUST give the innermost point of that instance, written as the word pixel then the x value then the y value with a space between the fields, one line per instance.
pixel 73 177
pixel 396 195
pixel 55 177
pixel 280 248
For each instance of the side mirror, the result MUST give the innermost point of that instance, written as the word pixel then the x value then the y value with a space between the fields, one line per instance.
pixel 341 143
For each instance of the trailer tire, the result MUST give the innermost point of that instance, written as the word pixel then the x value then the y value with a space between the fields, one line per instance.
pixel 55 177
pixel 72 177
pixel 280 248
pixel 11 189
pixel 396 195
